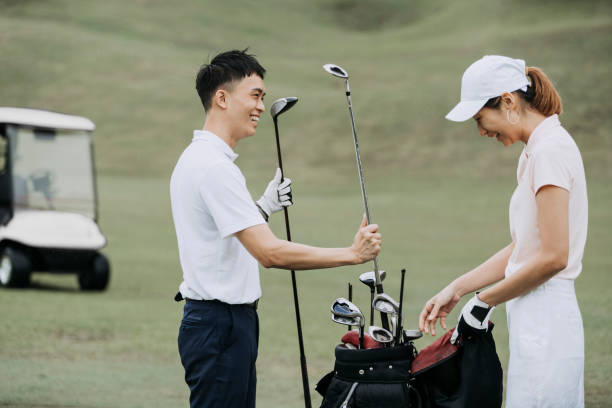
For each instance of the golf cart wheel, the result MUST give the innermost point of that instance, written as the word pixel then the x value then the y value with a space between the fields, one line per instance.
pixel 95 277
pixel 15 268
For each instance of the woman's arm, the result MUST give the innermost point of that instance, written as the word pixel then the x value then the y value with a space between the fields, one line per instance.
pixel 440 306
pixel 553 223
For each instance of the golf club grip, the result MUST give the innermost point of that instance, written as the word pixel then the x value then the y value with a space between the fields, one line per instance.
pixel 398 334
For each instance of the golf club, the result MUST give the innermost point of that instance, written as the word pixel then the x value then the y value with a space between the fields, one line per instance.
pixel 345 312
pixel 339 72
pixel 393 326
pixel 398 333
pixel 368 279
pixel 410 335
pixel 380 335
pixel 280 106
pixel 386 305
pixel 350 298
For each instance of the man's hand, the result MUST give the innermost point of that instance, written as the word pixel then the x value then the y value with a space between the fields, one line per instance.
pixel 475 314
pixel 366 244
pixel 276 196
pixel 440 307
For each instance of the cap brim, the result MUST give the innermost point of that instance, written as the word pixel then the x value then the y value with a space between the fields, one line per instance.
pixel 465 110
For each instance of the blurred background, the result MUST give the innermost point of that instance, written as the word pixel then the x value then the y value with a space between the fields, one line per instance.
pixel 438 190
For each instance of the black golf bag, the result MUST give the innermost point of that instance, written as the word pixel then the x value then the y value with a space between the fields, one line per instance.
pixel 442 375
pixel 372 378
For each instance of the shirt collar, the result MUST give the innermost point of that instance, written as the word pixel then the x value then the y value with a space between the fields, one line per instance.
pixel 216 142
pixel 540 132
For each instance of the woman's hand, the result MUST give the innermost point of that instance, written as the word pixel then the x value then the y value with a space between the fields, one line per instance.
pixel 440 307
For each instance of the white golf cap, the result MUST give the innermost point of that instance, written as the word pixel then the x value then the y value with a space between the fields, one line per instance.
pixel 487 78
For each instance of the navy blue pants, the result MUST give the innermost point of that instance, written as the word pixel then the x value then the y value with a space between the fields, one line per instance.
pixel 218 347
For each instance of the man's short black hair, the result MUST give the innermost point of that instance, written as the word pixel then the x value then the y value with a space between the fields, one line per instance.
pixel 226 67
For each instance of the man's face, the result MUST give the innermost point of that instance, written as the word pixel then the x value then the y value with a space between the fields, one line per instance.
pixel 245 105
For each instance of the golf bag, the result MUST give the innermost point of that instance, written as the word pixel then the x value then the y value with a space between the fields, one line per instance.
pixel 371 378
pixel 442 375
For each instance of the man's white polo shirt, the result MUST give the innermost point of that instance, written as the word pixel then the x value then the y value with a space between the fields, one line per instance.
pixel 210 202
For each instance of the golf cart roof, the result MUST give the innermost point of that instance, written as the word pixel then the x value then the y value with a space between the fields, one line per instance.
pixel 44 119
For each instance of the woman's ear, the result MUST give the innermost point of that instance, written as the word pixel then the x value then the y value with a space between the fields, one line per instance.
pixel 509 101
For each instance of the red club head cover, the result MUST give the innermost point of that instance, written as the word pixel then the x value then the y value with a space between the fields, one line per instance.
pixel 353 338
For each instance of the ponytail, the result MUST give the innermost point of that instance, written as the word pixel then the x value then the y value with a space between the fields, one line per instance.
pixel 541 93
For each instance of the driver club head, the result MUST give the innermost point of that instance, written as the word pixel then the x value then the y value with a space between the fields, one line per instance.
pixel 336 70
pixel 282 105
pixel 368 278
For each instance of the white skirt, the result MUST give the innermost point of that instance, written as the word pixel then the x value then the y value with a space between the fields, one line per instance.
pixel 546 367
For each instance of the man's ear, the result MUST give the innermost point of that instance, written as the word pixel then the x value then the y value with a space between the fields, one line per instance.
pixel 220 98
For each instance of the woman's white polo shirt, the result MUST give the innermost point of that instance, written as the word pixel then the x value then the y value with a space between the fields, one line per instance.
pixel 550 157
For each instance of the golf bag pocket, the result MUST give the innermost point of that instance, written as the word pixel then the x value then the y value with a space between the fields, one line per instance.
pixel 370 378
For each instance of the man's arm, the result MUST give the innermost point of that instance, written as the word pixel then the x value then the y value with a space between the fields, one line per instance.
pixel 272 252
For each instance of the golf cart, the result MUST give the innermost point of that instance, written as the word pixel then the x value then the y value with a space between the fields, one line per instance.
pixel 48 199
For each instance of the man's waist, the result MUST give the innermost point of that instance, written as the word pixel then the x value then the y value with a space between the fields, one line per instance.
pixel 251 305
pixel 180 297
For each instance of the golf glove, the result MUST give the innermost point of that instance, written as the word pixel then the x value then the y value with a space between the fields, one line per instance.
pixel 475 314
pixel 276 196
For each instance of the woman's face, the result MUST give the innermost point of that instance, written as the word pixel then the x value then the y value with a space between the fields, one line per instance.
pixel 493 122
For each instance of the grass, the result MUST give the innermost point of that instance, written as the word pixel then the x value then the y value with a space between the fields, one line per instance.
pixel 64 348
pixel 439 192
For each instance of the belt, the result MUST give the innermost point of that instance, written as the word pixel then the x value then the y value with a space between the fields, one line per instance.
pixel 180 297
pixel 251 305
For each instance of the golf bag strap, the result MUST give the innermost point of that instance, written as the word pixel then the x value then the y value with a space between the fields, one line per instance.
pixel 349 395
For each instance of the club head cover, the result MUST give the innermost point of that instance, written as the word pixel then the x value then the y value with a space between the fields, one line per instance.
pixel 475 314
pixel 352 337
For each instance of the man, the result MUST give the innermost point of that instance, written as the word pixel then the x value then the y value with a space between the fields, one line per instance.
pixel 222 235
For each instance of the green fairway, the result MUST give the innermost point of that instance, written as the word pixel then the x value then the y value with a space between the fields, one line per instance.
pixel 439 191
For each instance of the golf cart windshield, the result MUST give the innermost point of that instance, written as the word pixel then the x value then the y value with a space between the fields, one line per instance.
pixel 52 170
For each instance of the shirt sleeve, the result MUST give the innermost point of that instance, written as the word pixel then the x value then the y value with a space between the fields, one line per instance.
pixel 551 168
pixel 224 191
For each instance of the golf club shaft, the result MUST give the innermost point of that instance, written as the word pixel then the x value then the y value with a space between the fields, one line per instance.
pixel 379 287
pixel 361 336
pixel 307 401
pixel 371 306
pixel 350 298
pixel 398 334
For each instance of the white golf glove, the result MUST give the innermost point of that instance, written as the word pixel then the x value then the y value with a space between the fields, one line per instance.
pixel 475 314
pixel 276 196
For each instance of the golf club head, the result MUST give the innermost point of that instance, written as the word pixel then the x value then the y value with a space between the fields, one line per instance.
pixel 369 279
pixel 342 308
pixel 380 335
pixel 385 303
pixel 336 70
pixel 282 105
pixel 347 321
pixel 410 335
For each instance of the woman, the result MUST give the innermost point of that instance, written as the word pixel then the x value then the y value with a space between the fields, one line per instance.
pixel 535 273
